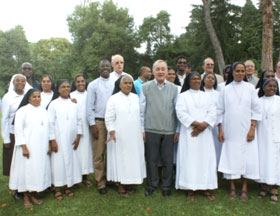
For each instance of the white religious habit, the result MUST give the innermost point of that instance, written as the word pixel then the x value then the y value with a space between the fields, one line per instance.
pixel 64 125
pixel 269 140
pixel 214 95
pixel 238 105
pixel 125 157
pixel 33 173
pixel 85 147
pixel 196 157
pixel 46 98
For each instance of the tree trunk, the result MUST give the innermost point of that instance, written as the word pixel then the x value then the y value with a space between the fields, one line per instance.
pixel 267 35
pixel 213 37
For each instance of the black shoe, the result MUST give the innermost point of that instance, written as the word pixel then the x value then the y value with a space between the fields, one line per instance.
pixel 18 195
pixel 166 193
pixel 149 192
pixel 102 191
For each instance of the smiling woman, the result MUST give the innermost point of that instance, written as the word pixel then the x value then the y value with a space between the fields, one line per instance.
pixel 30 168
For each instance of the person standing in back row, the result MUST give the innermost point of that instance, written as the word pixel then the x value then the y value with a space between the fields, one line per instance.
pixel 98 93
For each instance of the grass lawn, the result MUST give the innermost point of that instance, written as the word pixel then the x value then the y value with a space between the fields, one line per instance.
pixel 89 202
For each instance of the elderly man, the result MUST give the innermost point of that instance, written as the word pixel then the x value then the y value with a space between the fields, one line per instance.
pixel 99 91
pixel 145 75
pixel 250 70
pixel 277 72
pixel 208 67
pixel 181 65
pixel 26 70
pixel 158 118
pixel 117 62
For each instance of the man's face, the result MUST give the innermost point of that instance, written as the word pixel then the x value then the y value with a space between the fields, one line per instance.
pixel 27 70
pixel 250 68
pixel 181 64
pixel 208 65
pixel 118 64
pixel 160 72
pixel 147 73
pixel 105 69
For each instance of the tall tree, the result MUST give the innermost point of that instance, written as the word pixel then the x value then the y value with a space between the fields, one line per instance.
pixel 100 31
pixel 267 35
pixel 155 32
pixel 52 56
pixel 213 36
pixel 250 34
pixel 14 50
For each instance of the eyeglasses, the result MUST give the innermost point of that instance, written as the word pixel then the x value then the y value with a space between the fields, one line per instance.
pixel 26 68
pixel 210 64
pixel 182 62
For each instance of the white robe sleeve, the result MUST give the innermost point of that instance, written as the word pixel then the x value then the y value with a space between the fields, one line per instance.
pixel 79 121
pixel 221 107
pixel 110 115
pixel 211 114
pixel 19 127
pixel 52 118
pixel 182 112
pixel 256 113
pixel 5 119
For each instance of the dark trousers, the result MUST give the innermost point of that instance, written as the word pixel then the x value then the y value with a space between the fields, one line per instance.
pixel 159 147
pixel 7 156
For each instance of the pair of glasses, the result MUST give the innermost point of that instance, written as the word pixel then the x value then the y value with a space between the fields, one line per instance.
pixel 27 68
pixel 182 62
pixel 210 64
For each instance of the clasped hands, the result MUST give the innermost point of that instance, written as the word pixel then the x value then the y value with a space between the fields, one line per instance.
pixel 198 127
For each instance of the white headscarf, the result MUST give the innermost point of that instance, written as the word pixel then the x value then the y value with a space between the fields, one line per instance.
pixel 12 86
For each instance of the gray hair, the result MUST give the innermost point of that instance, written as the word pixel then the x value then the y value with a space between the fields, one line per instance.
pixel 124 77
pixel 159 61
pixel 115 56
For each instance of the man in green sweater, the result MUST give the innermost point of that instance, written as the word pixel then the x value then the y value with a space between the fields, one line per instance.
pixel 157 104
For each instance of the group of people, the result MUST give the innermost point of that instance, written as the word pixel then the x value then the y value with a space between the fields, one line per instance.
pixel 125 130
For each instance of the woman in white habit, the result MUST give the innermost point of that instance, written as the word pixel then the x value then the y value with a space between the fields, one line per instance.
pixel 30 169
pixel 125 146
pixel 196 157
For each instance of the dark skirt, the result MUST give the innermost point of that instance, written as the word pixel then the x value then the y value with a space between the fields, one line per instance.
pixel 7 156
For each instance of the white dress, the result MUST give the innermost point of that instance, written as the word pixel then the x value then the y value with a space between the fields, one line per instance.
pixel 269 140
pixel 64 125
pixel 238 105
pixel 196 157
pixel 85 147
pixel 214 95
pixel 46 98
pixel 125 157
pixel 31 128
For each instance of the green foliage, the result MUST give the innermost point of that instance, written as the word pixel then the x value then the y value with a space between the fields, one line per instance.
pixel 53 57
pixel 251 32
pixel 14 50
pixel 100 31
pixel 155 32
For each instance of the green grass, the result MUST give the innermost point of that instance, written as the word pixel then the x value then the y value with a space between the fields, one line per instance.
pixel 89 202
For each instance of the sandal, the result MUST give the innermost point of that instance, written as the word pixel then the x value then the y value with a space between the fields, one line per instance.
pixel 87 183
pixel 58 195
pixel 244 196
pixel 232 194
pixel 190 195
pixel 36 201
pixel 262 194
pixel 124 194
pixel 273 196
pixel 209 196
pixel 69 193
pixel 28 205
